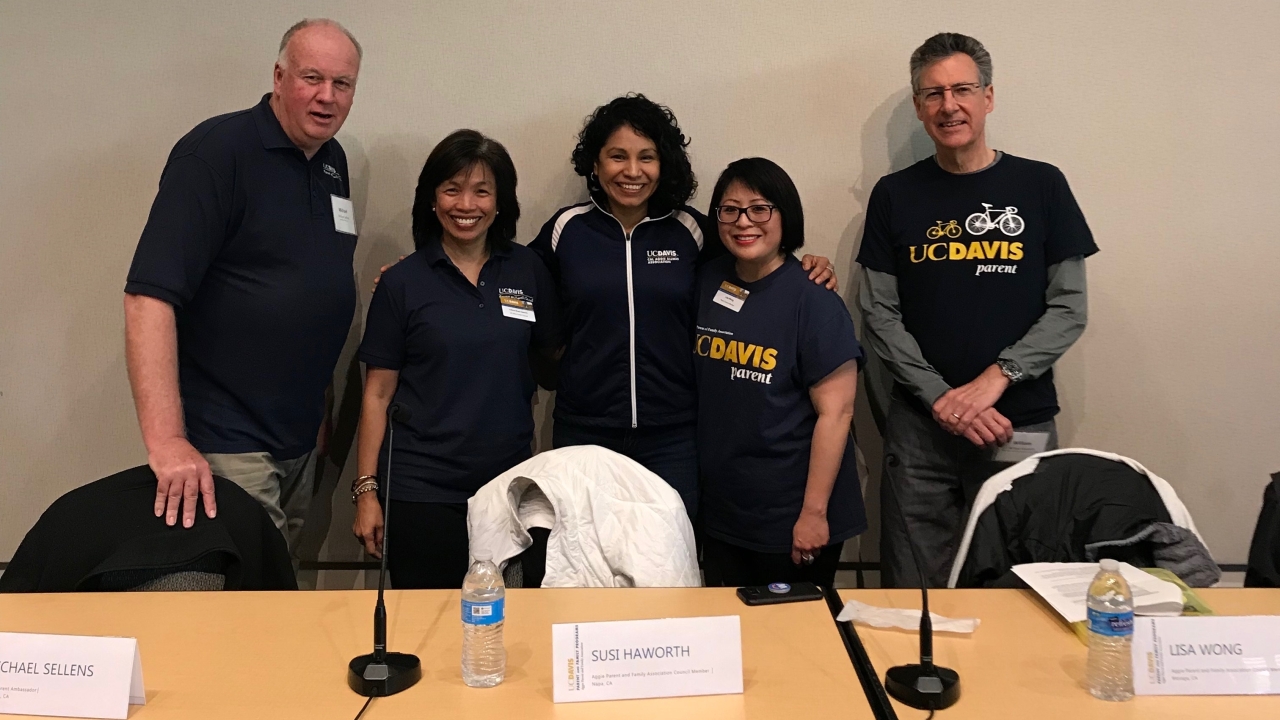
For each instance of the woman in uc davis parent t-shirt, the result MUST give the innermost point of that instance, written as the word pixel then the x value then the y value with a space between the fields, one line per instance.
pixel 776 361
pixel 453 335
pixel 625 264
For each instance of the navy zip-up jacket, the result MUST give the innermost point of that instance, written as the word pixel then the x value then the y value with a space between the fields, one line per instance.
pixel 629 308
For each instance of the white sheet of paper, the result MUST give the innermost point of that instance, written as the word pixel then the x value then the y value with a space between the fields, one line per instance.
pixel 1022 446
pixel 628 659
pixel 69 675
pixel 344 215
pixel 1214 655
pixel 1065 586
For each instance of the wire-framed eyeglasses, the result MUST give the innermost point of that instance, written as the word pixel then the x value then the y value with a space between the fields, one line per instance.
pixel 960 91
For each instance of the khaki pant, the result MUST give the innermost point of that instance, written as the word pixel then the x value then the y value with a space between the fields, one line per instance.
pixel 283 487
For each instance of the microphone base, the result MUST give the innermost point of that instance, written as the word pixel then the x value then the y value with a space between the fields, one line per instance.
pixel 398 672
pixel 923 687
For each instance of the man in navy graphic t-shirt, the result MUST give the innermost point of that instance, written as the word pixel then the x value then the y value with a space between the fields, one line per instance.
pixel 972 287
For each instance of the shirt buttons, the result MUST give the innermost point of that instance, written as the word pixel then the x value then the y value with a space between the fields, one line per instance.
pixel 481 283
pixel 481 304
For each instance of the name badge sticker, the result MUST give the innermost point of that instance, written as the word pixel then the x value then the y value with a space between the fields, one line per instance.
pixel 69 675
pixel 1022 446
pixel 516 304
pixel 731 296
pixel 344 215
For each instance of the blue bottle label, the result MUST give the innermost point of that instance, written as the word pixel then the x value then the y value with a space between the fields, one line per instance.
pixel 482 613
pixel 1111 624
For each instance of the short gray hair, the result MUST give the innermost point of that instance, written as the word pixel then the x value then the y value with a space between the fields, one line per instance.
pixel 943 46
pixel 308 22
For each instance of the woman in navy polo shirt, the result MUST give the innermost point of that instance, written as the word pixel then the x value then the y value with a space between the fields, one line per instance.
pixel 625 262
pixel 454 335
pixel 777 368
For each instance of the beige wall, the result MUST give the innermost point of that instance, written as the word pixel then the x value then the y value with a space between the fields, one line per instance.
pixel 1163 115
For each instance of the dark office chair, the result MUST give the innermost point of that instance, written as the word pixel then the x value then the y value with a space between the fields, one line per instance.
pixel 105 536
pixel 1264 551
pixel 1078 507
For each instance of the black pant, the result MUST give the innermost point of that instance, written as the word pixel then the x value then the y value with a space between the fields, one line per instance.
pixel 668 451
pixel 428 549
pixel 727 565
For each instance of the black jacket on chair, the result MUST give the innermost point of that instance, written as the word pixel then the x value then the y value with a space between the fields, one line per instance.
pixel 1264 551
pixel 1080 508
pixel 105 536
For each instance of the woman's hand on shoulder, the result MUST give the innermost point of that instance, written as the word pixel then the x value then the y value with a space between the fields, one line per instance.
pixel 821 271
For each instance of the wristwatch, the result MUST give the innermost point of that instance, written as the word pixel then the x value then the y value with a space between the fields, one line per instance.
pixel 1011 370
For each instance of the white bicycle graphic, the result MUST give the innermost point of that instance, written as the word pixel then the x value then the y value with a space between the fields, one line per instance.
pixel 1008 220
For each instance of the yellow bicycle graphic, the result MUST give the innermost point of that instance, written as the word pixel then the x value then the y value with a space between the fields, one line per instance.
pixel 951 230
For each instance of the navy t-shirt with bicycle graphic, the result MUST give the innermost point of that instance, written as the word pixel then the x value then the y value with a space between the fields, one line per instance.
pixel 971 253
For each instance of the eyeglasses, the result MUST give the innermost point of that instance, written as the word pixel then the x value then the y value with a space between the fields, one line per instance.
pixel 729 214
pixel 960 91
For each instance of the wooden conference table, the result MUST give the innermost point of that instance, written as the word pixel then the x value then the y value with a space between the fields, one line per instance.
pixel 1024 662
pixel 284 655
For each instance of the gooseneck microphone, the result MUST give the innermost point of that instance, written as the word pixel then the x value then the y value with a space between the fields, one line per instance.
pixel 924 686
pixel 381 673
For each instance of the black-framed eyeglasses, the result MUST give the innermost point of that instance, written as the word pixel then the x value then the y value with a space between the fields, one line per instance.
pixel 959 91
pixel 729 214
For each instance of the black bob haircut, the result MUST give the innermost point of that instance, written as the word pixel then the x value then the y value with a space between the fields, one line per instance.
pixel 676 182
pixel 462 150
pixel 771 181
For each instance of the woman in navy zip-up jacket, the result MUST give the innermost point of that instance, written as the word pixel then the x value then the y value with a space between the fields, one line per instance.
pixel 625 264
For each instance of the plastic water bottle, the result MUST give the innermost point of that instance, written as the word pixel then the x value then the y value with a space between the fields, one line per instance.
pixel 484 658
pixel 1110 672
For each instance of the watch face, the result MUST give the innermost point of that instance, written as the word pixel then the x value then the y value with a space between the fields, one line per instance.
pixel 1010 370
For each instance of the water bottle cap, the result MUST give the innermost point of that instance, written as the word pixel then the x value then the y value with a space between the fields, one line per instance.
pixel 483 555
pixel 1110 565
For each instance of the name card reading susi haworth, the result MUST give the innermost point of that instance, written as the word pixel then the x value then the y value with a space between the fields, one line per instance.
pixel 631 659
pixel 69 675
pixel 1206 655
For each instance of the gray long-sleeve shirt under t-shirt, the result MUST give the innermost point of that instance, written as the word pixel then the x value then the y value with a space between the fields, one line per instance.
pixel 1063 321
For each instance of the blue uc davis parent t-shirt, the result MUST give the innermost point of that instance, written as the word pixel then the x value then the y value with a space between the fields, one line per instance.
pixel 755 419
pixel 462 352
pixel 971 253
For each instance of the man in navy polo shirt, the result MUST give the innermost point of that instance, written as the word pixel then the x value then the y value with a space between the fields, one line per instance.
pixel 241 291
pixel 973 286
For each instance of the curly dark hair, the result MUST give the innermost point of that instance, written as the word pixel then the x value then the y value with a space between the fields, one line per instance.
pixel 459 151
pixel 676 182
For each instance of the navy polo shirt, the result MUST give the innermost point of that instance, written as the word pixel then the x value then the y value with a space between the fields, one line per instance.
pixel 462 352
pixel 755 368
pixel 241 240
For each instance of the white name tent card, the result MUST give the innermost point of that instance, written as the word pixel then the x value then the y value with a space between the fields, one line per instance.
pixel 69 675
pixel 1215 655
pixel 631 659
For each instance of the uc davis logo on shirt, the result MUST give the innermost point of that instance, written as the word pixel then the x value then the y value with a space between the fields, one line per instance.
pixel 1006 221
pixel 332 172
pixel 739 353
pixel 662 257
